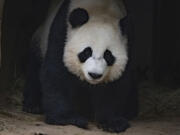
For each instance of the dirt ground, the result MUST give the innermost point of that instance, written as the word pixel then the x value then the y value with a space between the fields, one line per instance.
pixel 15 122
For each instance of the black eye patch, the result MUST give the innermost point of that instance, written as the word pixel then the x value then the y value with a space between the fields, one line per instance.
pixel 110 59
pixel 85 54
pixel 78 17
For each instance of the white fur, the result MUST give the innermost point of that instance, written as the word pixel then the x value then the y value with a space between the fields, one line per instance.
pixel 100 33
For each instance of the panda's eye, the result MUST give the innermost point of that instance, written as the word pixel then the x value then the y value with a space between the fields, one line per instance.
pixel 110 59
pixel 85 54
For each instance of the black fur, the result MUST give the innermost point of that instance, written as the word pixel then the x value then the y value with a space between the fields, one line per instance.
pixel 124 25
pixel 85 54
pixel 78 17
pixel 68 100
pixel 110 59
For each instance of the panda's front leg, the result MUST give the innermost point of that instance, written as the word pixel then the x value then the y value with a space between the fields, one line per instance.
pixel 59 112
pixel 108 114
pixel 57 106
pixel 114 124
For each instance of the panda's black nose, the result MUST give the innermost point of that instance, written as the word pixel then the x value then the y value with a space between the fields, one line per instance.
pixel 95 75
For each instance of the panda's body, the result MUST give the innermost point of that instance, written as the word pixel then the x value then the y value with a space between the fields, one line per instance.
pixel 80 67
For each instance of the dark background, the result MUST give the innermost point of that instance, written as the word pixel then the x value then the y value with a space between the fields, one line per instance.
pixel 156 38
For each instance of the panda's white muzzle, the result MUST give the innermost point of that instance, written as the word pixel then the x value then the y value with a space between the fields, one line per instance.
pixel 94 70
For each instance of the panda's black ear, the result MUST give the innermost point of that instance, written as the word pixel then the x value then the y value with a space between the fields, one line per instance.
pixel 124 25
pixel 78 17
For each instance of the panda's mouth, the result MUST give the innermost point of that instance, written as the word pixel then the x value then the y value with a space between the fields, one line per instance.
pixel 94 79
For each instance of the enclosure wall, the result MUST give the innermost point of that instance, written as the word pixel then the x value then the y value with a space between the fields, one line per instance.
pixel 1 9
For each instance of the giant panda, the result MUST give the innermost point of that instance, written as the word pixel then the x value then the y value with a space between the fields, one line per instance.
pixel 80 66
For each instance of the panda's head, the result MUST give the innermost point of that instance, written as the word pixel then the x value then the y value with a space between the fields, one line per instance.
pixel 95 49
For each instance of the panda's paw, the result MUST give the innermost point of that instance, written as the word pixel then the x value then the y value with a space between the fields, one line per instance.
pixel 33 109
pixel 78 121
pixel 114 125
